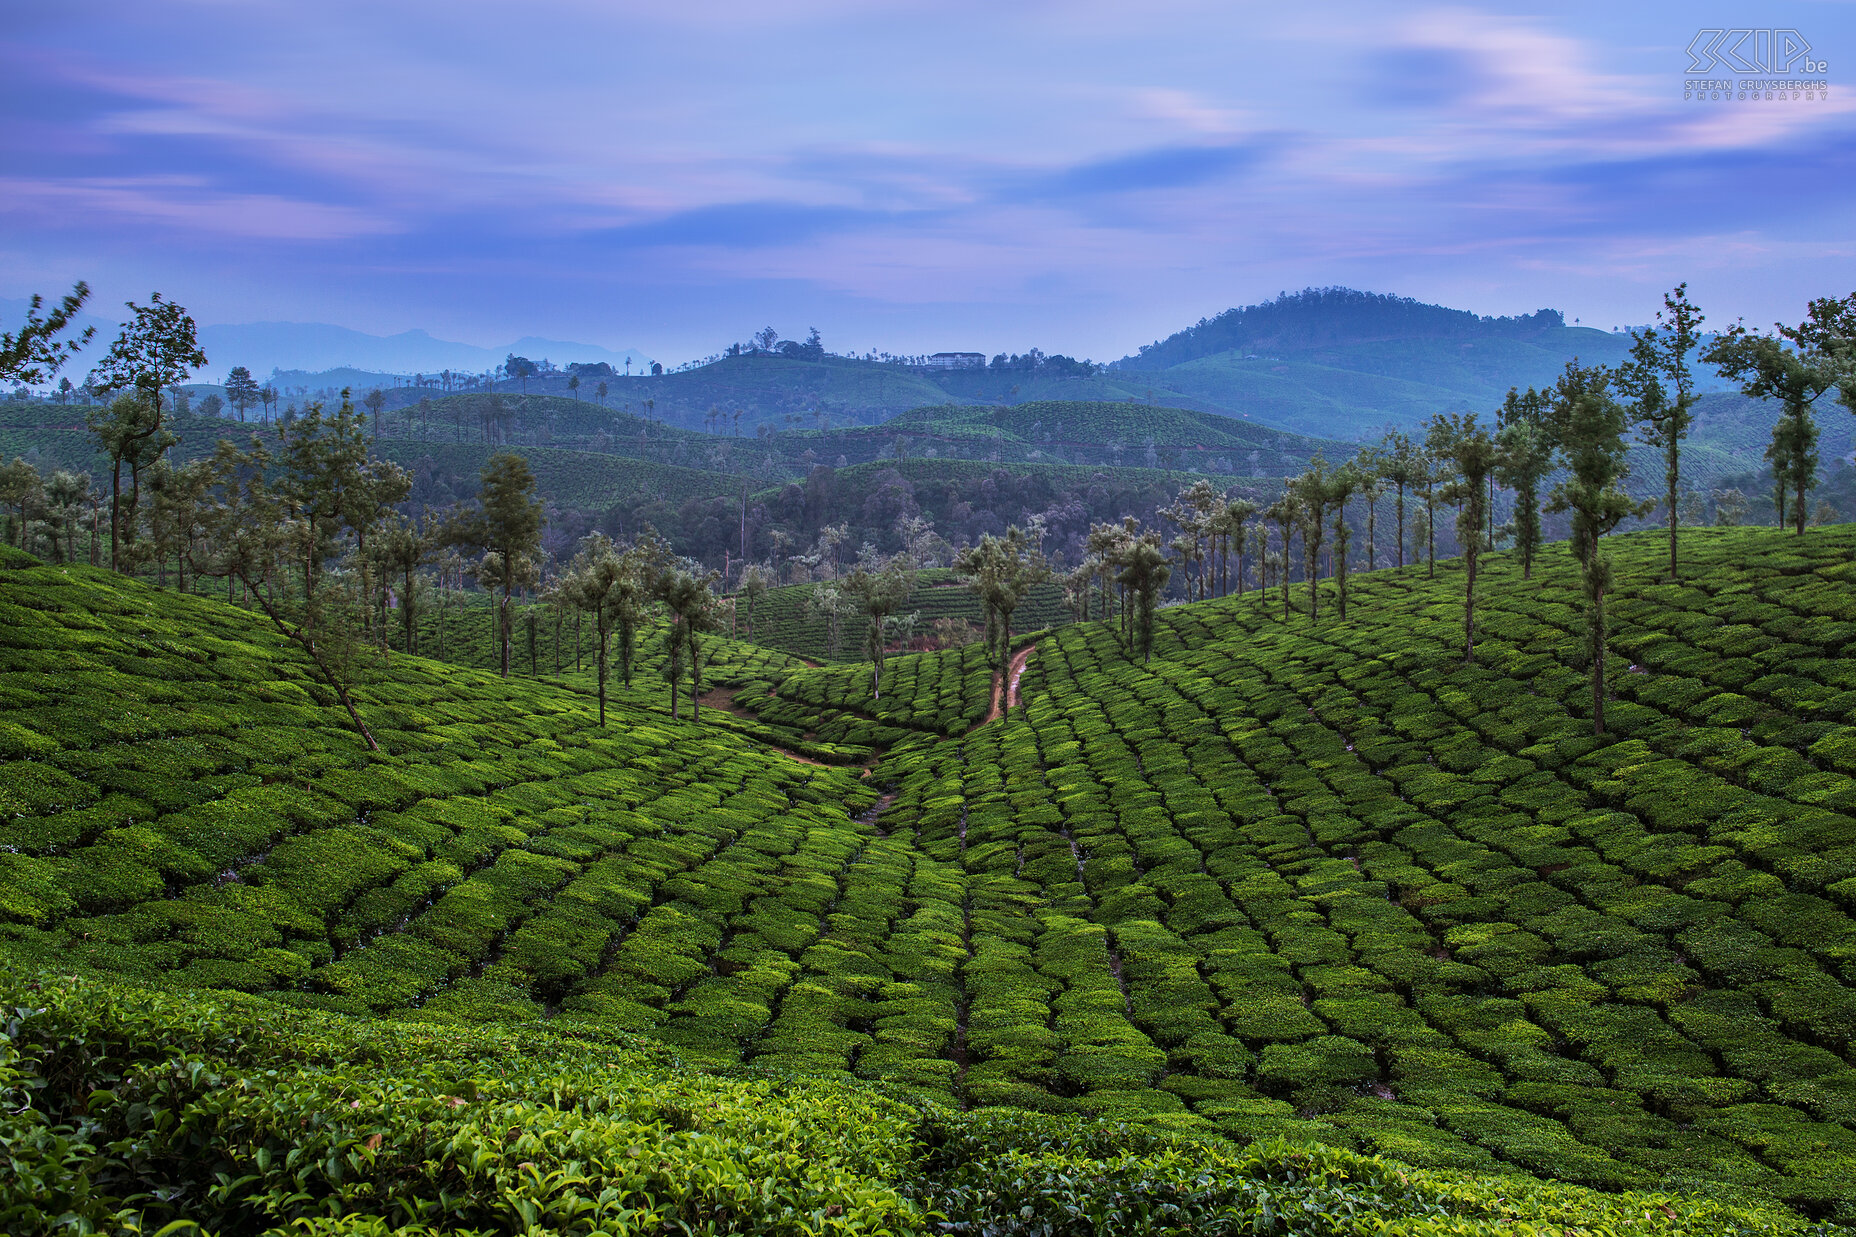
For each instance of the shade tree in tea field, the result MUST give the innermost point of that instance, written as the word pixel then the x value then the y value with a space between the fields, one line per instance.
pixel 1660 380
pixel 1001 571
pixel 506 526
pixel 1589 426
pixel 1797 366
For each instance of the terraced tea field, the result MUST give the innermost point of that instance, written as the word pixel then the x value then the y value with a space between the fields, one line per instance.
pixel 1331 881
pixel 179 799
pixel 1326 883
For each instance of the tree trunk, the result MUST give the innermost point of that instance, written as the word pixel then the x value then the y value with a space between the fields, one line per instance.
pixel 303 640
pixel 1598 663
pixel 115 510
pixel 1799 480
pixel 1430 522
pixel 502 624
pixel 1469 607
pixel 600 624
pixel 1674 466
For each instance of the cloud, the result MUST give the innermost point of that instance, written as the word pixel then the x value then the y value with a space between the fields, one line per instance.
pixel 744 225
pixel 178 204
pixel 1165 167
pixel 1066 162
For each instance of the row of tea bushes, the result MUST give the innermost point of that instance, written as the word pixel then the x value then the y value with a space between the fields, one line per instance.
pixel 945 693
pixel 128 1110
pixel 1349 886
pixel 179 797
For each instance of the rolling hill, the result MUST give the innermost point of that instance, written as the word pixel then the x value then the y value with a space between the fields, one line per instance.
pixel 1317 882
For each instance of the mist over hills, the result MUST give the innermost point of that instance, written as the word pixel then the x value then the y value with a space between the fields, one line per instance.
pixel 316 349
pixel 312 346
pixel 1328 363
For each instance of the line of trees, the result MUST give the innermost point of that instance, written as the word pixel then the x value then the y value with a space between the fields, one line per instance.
pixel 1560 451
pixel 306 521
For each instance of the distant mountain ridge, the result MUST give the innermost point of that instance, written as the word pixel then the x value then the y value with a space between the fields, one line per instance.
pixel 1334 364
pixel 1325 317
pixel 314 346
pixel 1342 363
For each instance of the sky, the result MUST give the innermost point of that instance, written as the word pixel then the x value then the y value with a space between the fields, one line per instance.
pixel 1081 176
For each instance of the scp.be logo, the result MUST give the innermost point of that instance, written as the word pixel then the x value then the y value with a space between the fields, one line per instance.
pixel 1750 50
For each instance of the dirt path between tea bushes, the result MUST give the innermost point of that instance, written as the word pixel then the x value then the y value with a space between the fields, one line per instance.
pixel 1014 671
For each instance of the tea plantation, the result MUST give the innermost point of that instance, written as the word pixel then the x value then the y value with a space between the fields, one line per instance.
pixel 1297 929
pixel 784 620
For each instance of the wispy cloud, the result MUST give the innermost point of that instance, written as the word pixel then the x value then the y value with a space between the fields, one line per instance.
pixel 1096 172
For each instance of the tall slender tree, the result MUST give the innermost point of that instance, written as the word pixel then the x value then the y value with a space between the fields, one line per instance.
pixel 403 547
pixel 1660 383
pixel 1589 426
pixel 601 583
pixel 1286 512
pixel 1145 573
pixel 129 431
pixel 1399 461
pixel 1238 512
pixel 1311 490
pixel 1524 455
pixel 1343 483
pixel 1370 464
pixel 261 516
pixel 508 523
pixel 1474 454
pixel 22 490
pixel 1002 571
pixel 158 348
pixel 879 591
pixel 690 605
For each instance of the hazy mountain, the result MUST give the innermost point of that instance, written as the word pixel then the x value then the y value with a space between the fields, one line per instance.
pixel 1336 362
pixel 315 346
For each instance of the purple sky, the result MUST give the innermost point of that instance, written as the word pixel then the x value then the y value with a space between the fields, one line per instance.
pixel 1081 176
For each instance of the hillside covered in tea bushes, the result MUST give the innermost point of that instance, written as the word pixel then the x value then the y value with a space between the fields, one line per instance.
pixel 1182 946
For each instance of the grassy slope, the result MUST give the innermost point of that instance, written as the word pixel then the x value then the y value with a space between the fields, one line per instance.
pixel 227 829
pixel 1331 880
pixel 1324 883
pixel 465 635
pixel 284 1121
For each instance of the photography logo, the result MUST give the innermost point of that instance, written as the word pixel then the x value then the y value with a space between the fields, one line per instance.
pixel 1747 64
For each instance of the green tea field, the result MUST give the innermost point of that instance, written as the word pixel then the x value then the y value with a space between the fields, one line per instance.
pixel 1400 926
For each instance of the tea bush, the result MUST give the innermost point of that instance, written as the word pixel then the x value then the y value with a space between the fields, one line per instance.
pixel 129 1110
pixel 1316 883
